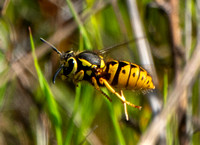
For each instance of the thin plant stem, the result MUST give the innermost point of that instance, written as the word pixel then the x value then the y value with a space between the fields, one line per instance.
pixel 80 25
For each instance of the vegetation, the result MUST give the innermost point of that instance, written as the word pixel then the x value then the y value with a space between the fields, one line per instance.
pixel 164 38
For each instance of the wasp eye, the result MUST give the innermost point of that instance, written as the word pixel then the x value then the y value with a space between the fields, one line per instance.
pixel 71 66
pixel 70 61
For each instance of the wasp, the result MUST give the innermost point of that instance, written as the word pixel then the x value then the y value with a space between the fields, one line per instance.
pixel 91 67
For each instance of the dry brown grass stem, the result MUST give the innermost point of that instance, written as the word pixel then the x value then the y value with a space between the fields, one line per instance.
pixel 171 8
pixel 142 44
pixel 144 51
pixel 159 123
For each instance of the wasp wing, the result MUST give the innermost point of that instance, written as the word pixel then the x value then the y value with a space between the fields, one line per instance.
pixel 122 44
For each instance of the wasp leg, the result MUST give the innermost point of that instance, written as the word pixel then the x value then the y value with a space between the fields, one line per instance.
pixel 122 98
pixel 94 82
pixel 125 107
pixel 78 77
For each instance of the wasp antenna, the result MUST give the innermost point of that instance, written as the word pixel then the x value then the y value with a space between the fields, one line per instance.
pixel 57 72
pixel 53 47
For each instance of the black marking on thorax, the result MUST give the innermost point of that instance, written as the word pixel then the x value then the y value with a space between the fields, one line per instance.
pixel 90 56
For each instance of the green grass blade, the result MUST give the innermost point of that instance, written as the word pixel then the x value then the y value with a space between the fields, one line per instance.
pixel 51 103
pixel 3 71
pixel 165 88
pixel 71 122
pixel 115 122
pixel 80 25
pixel 2 94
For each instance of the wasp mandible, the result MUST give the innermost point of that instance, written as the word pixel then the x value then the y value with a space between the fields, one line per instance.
pixel 91 67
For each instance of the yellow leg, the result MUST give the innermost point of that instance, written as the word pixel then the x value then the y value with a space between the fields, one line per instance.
pixel 121 97
pixel 125 107
pixel 78 77
pixel 94 81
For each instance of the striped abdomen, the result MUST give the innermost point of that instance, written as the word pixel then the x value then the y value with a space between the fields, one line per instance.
pixel 123 74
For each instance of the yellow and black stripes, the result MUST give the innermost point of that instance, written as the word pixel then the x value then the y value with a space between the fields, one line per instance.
pixel 119 74
pixel 123 74
pixel 91 67
pixel 133 78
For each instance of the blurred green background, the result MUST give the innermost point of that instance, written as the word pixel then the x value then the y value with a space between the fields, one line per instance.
pixel 36 111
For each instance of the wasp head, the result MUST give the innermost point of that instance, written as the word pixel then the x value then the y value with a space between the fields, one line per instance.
pixel 68 63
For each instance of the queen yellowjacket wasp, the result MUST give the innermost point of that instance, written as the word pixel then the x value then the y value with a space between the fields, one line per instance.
pixel 92 67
